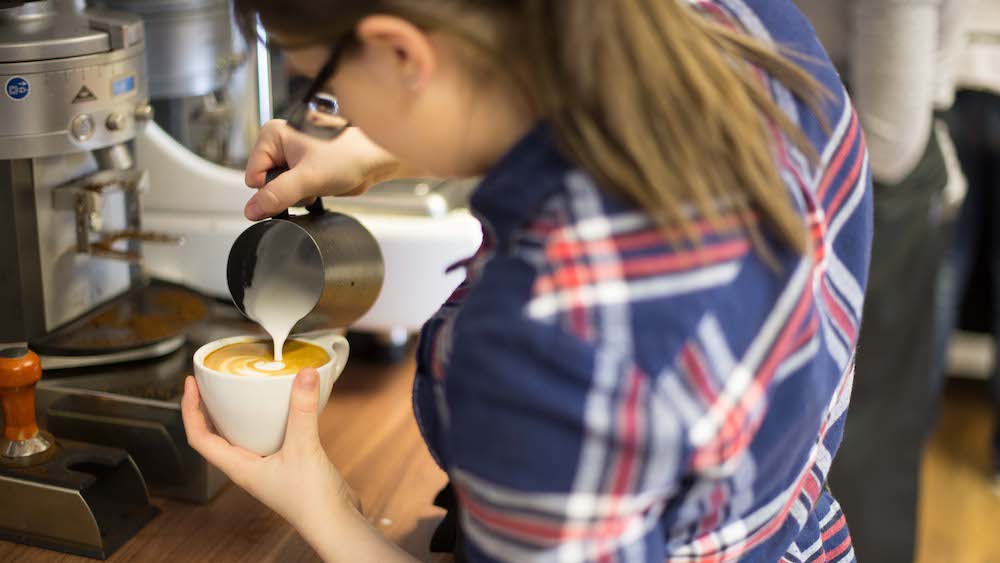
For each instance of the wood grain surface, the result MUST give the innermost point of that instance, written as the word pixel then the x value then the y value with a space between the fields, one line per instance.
pixel 369 432
pixel 960 502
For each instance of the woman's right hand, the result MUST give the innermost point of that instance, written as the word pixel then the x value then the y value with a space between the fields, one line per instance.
pixel 347 165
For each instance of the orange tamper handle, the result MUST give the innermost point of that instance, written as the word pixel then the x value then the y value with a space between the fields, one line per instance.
pixel 18 377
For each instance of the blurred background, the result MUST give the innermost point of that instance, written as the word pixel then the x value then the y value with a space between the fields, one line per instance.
pixel 123 288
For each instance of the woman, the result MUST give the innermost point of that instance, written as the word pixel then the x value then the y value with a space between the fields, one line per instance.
pixel 651 356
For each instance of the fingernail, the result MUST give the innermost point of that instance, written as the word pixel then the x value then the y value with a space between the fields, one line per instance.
pixel 308 379
pixel 252 211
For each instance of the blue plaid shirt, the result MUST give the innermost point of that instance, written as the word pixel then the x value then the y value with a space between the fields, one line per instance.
pixel 598 393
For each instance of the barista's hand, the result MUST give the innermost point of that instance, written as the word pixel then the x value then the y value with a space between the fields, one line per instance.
pixel 347 165
pixel 298 481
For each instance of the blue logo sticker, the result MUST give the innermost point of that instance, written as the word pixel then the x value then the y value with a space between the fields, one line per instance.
pixel 17 88
pixel 123 85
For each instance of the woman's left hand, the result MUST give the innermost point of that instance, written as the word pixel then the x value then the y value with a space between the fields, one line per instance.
pixel 298 481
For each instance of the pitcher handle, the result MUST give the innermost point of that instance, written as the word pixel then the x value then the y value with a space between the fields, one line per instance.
pixel 314 208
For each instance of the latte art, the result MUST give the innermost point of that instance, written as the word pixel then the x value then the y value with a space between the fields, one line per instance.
pixel 255 358
pixel 269 366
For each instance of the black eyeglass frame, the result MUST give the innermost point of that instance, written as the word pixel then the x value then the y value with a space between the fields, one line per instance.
pixel 298 115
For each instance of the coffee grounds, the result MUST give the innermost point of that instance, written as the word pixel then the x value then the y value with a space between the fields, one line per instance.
pixel 144 317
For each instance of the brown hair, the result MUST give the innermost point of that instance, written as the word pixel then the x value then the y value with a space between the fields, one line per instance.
pixel 655 101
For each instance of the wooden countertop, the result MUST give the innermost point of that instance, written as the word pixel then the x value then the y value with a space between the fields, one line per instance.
pixel 368 431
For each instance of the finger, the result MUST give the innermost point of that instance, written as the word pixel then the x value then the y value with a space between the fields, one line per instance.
pixel 276 196
pixel 355 192
pixel 302 431
pixel 267 153
pixel 359 190
pixel 233 461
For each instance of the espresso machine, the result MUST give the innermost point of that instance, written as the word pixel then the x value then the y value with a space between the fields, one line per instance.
pixel 74 98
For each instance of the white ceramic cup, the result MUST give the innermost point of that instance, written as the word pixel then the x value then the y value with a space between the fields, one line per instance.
pixel 251 411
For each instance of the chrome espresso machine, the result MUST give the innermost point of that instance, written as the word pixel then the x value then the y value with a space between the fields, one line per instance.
pixel 74 97
pixel 114 345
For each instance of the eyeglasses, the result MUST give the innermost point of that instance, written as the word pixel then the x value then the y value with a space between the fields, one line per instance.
pixel 317 114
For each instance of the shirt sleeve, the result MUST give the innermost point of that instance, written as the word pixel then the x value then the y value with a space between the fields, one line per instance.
pixel 894 72
pixel 560 449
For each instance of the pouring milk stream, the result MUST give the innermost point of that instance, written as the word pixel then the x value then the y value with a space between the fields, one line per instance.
pixel 284 287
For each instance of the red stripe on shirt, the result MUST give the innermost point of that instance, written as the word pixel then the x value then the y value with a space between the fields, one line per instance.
pixel 695 367
pixel 838 313
pixel 832 530
pixel 845 188
pixel 575 275
pixel 839 550
pixel 845 148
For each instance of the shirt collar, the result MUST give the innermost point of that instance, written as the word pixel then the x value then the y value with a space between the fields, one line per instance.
pixel 516 187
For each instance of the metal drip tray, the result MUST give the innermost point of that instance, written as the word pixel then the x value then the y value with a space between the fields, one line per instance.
pixel 140 319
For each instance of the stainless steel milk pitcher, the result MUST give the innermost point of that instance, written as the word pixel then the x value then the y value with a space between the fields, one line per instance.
pixel 329 254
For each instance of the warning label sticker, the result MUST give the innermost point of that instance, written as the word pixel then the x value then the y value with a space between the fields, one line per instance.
pixel 84 95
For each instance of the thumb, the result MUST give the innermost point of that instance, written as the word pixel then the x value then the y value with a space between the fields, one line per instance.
pixel 276 196
pixel 302 431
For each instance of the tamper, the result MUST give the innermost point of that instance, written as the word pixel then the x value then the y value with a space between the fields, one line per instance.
pixel 60 494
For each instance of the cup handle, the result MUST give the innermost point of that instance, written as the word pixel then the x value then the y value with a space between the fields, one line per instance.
pixel 328 336
pixel 342 349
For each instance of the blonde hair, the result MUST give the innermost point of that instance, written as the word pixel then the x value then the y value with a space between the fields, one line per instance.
pixel 659 103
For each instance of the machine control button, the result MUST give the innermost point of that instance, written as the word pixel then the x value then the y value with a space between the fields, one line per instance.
pixel 115 122
pixel 82 127
pixel 144 112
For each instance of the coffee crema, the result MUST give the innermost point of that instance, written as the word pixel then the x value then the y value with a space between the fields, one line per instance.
pixel 255 357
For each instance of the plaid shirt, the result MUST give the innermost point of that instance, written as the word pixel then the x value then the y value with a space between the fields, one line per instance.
pixel 597 393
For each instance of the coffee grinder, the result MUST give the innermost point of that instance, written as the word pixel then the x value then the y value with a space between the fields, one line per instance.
pixel 74 97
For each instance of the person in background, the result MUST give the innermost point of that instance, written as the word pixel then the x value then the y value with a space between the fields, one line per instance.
pixel 652 354
pixel 975 123
pixel 899 60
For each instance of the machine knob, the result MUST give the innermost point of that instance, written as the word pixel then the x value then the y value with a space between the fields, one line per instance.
pixel 115 122
pixel 82 127
pixel 20 370
pixel 144 112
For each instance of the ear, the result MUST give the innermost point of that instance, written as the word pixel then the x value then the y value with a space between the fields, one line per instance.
pixel 407 47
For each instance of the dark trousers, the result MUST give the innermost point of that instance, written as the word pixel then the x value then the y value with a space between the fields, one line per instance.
pixel 875 474
pixel 975 126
